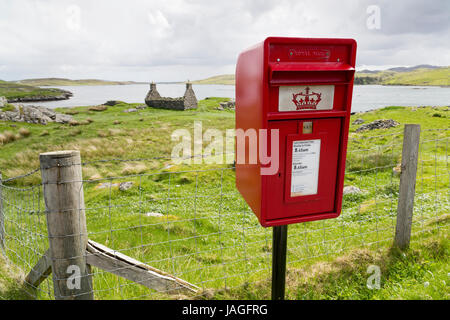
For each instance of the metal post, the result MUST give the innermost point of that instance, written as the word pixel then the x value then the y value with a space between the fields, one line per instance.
pixel 279 246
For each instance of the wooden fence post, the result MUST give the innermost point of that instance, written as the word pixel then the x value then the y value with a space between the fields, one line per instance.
pixel 66 224
pixel 410 155
pixel 2 217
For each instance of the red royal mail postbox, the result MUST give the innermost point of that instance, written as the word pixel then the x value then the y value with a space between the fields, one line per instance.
pixel 294 95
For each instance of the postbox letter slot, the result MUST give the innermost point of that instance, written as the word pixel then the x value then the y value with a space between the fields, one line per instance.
pixel 299 73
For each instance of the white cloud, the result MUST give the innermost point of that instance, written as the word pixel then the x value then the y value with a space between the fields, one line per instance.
pixel 180 39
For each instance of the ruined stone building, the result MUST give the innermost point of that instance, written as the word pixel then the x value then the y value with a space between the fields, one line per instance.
pixel 188 101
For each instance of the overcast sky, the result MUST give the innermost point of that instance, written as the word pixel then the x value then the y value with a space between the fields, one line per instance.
pixel 176 40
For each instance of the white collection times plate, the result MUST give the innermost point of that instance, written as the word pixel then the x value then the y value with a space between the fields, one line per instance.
pixel 305 167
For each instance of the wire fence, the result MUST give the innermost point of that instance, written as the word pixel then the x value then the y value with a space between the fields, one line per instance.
pixel 194 225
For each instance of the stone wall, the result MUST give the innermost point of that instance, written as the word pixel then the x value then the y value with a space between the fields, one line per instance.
pixel 188 101
pixel 167 103
pixel 152 94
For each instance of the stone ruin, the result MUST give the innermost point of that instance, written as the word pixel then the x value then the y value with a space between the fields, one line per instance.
pixel 188 101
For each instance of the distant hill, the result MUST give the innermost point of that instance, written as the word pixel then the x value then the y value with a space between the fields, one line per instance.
pixel 222 79
pixel 368 71
pixel 421 75
pixel 69 82
pixel 408 69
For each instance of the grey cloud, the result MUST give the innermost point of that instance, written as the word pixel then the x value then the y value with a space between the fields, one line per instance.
pixel 127 39
pixel 420 17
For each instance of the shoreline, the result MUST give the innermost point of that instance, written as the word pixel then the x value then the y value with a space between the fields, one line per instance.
pixel 66 95
pixel 366 84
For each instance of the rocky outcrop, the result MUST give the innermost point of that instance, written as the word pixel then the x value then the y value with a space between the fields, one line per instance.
pixel 378 124
pixel 130 110
pixel 136 109
pixel 188 101
pixel 98 108
pixel 34 114
pixel 227 105
pixel 124 186
pixel 112 103
pixel 351 190
pixel 358 121
pixel 154 214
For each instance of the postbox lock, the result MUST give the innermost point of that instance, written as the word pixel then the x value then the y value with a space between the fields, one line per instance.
pixel 307 127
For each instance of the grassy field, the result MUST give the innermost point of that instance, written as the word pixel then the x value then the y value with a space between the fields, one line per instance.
pixel 420 273
pixel 12 90
pixel 205 232
pixel 12 286
pixel 108 134
pixel 145 134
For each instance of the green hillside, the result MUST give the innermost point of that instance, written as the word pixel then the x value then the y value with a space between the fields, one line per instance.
pixel 69 82
pixel 416 77
pixel 16 92
pixel 424 77
pixel 221 79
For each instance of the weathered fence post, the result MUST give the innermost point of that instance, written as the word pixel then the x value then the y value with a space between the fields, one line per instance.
pixel 410 154
pixel 66 224
pixel 2 217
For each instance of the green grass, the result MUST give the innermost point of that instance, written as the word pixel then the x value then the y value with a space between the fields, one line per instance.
pixel 7 107
pixel 12 286
pixel 11 90
pixel 420 273
pixel 207 234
